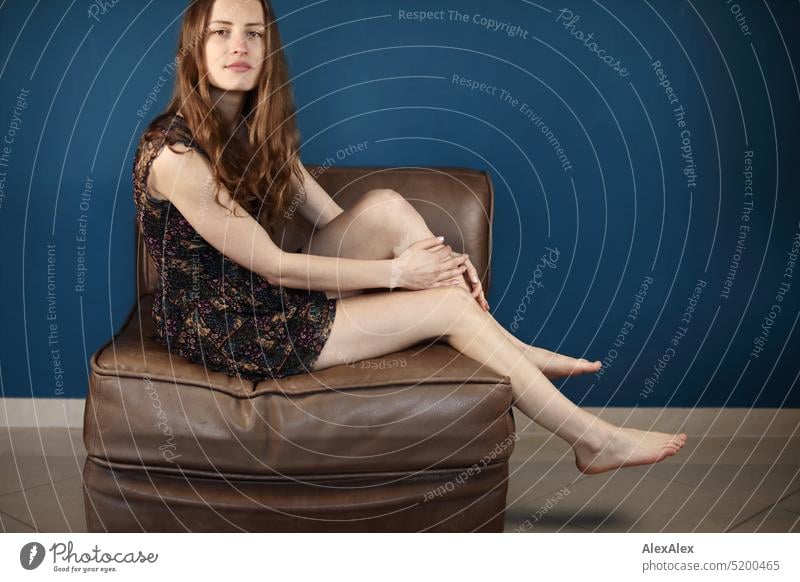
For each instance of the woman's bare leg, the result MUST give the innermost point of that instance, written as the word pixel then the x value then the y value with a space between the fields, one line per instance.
pixel 381 225
pixel 373 325
pixel 552 364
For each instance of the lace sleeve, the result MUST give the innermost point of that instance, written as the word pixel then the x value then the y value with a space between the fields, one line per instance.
pixel 151 144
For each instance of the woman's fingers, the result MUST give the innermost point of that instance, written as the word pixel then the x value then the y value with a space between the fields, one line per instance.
pixel 476 289
pixel 448 282
pixel 458 266
pixel 441 251
pixel 472 272
pixel 449 274
pixel 477 286
pixel 429 243
pixel 454 262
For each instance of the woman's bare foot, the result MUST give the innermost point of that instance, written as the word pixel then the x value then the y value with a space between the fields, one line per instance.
pixel 554 365
pixel 626 447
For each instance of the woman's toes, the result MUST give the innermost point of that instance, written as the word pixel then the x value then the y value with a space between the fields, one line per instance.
pixel 589 366
pixel 559 365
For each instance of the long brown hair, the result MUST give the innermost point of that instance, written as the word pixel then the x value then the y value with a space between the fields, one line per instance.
pixel 257 172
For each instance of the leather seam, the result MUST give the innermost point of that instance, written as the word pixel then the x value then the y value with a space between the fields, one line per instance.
pixel 95 400
pixel 314 390
pixel 226 476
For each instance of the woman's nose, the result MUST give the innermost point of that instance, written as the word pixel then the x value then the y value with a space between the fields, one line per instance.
pixel 240 45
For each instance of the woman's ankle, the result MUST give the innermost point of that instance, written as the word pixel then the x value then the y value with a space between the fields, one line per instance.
pixel 597 436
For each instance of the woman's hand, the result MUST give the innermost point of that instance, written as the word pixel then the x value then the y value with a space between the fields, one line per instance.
pixel 422 266
pixel 474 282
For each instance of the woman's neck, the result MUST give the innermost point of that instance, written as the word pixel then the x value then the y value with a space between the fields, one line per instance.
pixel 229 104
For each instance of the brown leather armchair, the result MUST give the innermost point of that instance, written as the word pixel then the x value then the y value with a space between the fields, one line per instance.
pixel 418 440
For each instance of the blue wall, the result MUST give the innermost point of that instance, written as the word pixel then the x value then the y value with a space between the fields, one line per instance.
pixel 636 193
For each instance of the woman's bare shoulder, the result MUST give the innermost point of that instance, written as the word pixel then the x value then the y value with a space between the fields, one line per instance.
pixel 179 170
pixel 170 158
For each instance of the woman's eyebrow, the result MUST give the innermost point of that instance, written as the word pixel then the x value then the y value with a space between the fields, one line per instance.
pixel 229 22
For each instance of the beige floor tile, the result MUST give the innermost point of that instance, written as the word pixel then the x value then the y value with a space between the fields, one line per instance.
pixel 5 439
pixel 626 500
pixel 541 465
pixel 791 503
pixel 538 449
pixel 534 496
pixel 524 522
pixel 56 441
pixel 731 484
pixel 738 450
pixel 742 421
pixel 774 520
pixel 532 481
pixel 56 507
pixel 698 450
pixel 22 472
pixel 32 457
pixel 10 525
pixel 538 466
pixel 541 448
pixel 536 478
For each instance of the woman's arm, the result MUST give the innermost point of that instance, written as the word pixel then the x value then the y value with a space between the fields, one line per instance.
pixel 186 179
pixel 319 208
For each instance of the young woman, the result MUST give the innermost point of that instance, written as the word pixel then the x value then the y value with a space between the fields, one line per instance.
pixel 230 298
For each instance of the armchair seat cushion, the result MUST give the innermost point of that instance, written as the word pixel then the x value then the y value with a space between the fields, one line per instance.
pixel 416 410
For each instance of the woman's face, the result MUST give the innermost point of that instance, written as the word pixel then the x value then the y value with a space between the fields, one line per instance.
pixel 234 49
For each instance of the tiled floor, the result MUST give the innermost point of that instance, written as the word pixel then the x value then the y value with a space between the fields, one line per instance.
pixel 715 484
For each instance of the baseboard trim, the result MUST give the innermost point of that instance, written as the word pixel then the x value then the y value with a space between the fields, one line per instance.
pixel 727 422
pixel 42 412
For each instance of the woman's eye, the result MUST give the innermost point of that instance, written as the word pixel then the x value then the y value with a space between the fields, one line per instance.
pixel 224 32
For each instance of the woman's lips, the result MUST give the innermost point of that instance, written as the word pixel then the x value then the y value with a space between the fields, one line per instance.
pixel 240 68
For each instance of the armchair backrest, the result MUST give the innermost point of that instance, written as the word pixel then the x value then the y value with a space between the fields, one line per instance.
pixel 457 203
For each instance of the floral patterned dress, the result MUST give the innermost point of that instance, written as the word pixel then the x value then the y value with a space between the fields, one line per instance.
pixel 211 310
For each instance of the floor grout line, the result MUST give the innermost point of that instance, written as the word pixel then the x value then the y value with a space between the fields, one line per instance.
pixel 31 487
pixel 785 497
pixel 768 508
pixel 12 518
pixel 756 514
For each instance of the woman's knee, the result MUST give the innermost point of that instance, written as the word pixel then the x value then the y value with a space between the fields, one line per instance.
pixel 458 304
pixel 387 206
